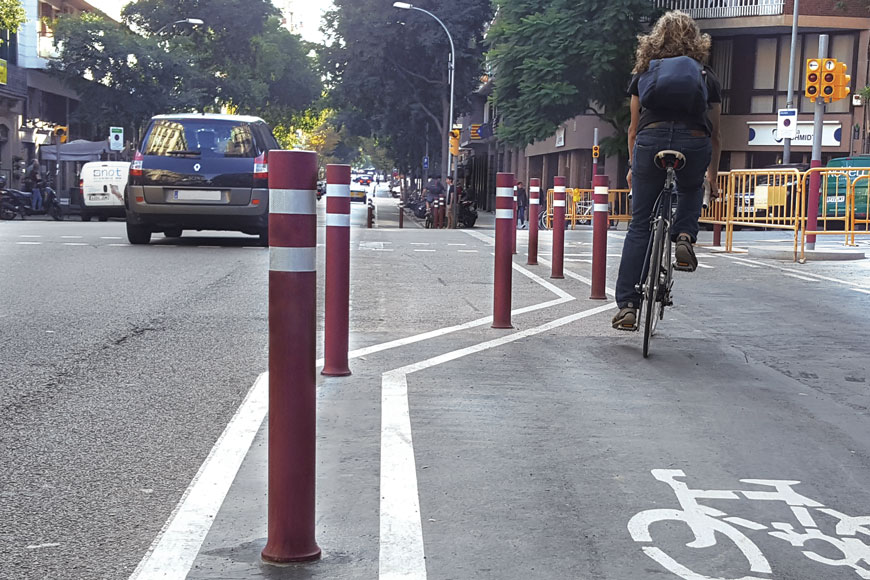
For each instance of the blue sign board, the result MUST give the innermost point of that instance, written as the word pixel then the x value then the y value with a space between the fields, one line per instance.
pixel 426 162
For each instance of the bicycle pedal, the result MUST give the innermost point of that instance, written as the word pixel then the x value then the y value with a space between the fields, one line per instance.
pixel 681 267
pixel 627 328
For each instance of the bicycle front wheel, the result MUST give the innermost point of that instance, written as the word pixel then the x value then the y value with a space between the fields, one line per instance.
pixel 651 290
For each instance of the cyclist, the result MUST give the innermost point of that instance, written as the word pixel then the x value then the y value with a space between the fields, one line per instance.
pixel 650 131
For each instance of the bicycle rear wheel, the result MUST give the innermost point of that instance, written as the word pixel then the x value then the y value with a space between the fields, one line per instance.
pixel 651 290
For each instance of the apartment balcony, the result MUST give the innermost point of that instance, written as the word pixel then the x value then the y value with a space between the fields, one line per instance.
pixel 723 8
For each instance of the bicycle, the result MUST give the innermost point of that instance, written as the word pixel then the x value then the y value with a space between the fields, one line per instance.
pixel 655 291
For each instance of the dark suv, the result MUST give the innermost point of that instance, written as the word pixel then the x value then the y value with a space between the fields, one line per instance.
pixel 200 172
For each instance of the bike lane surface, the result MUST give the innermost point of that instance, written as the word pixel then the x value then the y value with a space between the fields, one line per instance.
pixel 532 457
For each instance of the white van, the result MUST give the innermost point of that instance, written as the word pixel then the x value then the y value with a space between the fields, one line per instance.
pixel 102 184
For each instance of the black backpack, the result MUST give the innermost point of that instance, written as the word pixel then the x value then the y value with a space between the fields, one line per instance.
pixel 676 84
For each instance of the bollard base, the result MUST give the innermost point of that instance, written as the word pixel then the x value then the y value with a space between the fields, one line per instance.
pixel 596 297
pixel 557 277
pixel 530 263
pixel 502 326
pixel 336 372
pixel 277 560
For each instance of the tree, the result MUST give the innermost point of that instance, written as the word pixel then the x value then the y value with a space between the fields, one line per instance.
pixel 555 59
pixel 12 15
pixel 387 70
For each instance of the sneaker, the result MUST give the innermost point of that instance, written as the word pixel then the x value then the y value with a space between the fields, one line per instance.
pixel 626 318
pixel 684 254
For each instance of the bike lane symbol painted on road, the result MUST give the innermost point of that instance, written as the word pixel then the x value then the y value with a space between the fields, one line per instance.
pixel 705 522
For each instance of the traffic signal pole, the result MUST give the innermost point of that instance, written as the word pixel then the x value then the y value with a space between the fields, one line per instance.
pixel 816 161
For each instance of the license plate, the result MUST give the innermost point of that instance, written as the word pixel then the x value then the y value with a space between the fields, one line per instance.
pixel 197 195
pixel 836 199
pixel 98 197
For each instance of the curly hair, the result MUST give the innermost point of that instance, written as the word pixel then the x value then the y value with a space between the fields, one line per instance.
pixel 675 34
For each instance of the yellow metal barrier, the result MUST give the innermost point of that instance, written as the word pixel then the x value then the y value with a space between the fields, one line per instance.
pixel 837 213
pixel 860 208
pixel 763 198
pixel 716 211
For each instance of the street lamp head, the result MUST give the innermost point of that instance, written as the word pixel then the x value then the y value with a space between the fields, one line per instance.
pixel 194 21
pixel 402 5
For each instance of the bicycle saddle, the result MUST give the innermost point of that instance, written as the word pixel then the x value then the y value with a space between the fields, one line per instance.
pixel 670 158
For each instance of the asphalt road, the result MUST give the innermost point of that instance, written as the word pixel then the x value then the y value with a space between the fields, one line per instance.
pixel 121 365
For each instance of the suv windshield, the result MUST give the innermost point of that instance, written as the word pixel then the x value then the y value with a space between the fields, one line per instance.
pixel 200 138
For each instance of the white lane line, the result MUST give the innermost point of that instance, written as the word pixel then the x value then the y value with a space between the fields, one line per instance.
pixel 748 265
pixel 861 290
pixel 402 554
pixel 111 238
pixel 29 236
pixel 607 290
pixel 173 552
pixel 457 244
pixel 700 265
pixel 468 251
pixel 40 546
pixel 792 271
pixel 74 244
pixel 29 243
pixel 582 260
pixel 383 249
pixel 548 285
pixel 425 250
pixel 71 237
pixel 799 277
pixel 489 241
pixel 419 243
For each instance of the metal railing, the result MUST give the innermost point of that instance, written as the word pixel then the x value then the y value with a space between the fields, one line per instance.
pixel 723 8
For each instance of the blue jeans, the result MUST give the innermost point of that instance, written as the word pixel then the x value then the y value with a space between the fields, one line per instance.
pixel 647 182
pixel 36 199
pixel 521 214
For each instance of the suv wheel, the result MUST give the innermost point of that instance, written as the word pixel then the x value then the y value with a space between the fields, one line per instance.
pixel 138 234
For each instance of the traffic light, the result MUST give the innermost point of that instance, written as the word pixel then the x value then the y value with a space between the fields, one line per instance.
pixel 595 151
pixel 813 76
pixel 841 82
pixel 829 76
pixel 454 142
pixel 61 133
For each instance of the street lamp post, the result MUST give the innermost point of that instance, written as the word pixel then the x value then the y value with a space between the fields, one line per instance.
pixel 191 21
pixel 450 73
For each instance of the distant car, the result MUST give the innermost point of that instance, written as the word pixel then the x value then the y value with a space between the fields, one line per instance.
pixel 321 188
pixel 772 193
pixel 358 192
pixel 200 172
pixel 363 179
pixel 102 184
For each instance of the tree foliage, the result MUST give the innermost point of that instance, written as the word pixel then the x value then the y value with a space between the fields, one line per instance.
pixel 241 58
pixel 12 15
pixel 387 70
pixel 555 59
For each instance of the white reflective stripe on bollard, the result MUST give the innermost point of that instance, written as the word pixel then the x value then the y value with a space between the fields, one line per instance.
pixel 559 189
pixel 534 201
pixel 504 214
pixel 600 207
pixel 337 190
pixel 599 189
pixel 338 219
pixel 558 203
pixel 504 191
pixel 292 259
pixel 534 190
pixel 293 201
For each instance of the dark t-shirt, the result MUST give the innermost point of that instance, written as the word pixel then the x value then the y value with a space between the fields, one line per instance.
pixel 522 198
pixel 714 95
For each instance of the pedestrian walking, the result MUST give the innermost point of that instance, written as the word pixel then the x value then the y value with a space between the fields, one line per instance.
pixel 34 176
pixel 522 205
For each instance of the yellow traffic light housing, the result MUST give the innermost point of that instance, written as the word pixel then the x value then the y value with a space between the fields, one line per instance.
pixel 61 133
pixel 454 142
pixel 841 82
pixel 813 78
pixel 829 78
pixel 596 151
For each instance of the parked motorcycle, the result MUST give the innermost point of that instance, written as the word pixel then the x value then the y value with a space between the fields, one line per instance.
pixel 18 203
pixel 467 213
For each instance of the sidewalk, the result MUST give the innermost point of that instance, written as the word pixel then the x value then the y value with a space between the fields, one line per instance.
pixel 532 448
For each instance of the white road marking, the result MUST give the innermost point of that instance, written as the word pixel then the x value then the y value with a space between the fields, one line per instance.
pixel 419 243
pixel 581 260
pixel 799 277
pixel 29 243
pixel 457 244
pixel 792 271
pixel 861 290
pixel 468 251
pixel 173 552
pixel 120 245
pixel 111 238
pixel 748 265
pixel 607 290
pixel 29 236
pixel 700 265
pixel 548 285
pixel 425 250
pixel 71 237
pixel 402 554
pixel 39 546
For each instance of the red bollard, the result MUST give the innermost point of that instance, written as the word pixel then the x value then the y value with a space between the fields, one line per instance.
pixel 442 207
pixel 558 228
pixel 514 229
pixel 504 220
pixel 717 234
pixel 292 354
pixel 600 224
pixel 401 215
pixel 336 320
pixel 534 204
pixel 436 214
